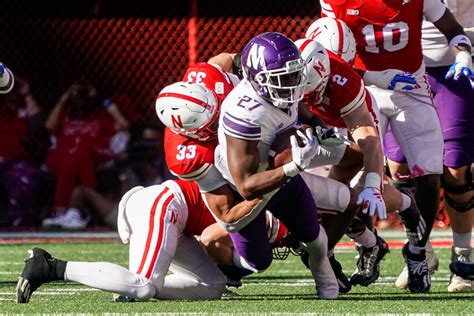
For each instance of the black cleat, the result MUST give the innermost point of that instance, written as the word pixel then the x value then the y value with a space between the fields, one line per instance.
pixel 344 285
pixel 40 267
pixel 418 275
pixel 463 269
pixel 342 280
pixel 368 264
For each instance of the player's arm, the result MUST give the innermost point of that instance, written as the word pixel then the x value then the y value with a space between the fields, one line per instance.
pixel 243 161
pixel 460 43
pixel 360 124
pixel 362 128
pixel 223 60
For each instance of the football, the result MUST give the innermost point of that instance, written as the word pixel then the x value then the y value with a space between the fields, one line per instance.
pixel 280 150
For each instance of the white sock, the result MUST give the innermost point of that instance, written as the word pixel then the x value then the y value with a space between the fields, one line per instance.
pixel 178 286
pixel 110 277
pixel 366 239
pixel 406 202
pixel 462 240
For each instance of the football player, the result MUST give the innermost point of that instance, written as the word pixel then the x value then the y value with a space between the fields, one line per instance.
pixel 261 106
pixel 388 35
pixel 159 222
pixel 341 101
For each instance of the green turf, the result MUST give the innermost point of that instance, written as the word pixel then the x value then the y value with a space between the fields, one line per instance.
pixel 285 288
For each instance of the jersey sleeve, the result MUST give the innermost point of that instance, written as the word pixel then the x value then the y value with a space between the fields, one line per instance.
pixel 433 10
pixel 187 158
pixel 211 180
pixel 239 127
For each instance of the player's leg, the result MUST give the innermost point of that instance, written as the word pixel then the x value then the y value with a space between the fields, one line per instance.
pixel 194 274
pixel 453 101
pixel 300 217
pixel 417 130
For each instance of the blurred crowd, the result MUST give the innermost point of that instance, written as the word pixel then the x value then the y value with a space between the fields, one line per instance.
pixel 67 168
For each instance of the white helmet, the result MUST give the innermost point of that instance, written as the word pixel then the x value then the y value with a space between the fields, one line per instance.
pixel 335 36
pixel 189 109
pixel 317 66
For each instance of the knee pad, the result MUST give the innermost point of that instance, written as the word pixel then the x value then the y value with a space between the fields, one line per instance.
pixel 461 207
pixel 328 194
pixel 356 227
pixel 398 184
pixel 466 187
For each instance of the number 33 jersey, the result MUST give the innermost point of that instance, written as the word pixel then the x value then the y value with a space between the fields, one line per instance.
pixel 387 32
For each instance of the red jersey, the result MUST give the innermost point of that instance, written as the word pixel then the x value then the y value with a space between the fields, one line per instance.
pixel 345 92
pixel 199 217
pixel 212 77
pixel 187 158
pixel 387 32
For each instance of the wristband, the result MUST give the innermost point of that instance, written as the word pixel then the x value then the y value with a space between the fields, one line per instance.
pixel 460 39
pixel 291 169
pixel 373 180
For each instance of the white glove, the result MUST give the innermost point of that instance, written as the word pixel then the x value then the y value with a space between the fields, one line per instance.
pixel 391 79
pixel 302 156
pixel 331 137
pixel 371 197
pixel 461 67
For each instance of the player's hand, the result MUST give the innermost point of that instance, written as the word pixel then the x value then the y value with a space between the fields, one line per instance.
pixel 391 79
pixel 302 156
pixel 372 201
pixel 461 67
pixel 331 137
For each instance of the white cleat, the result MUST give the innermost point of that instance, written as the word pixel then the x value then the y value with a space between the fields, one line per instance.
pixel 327 287
pixel 433 264
pixel 456 283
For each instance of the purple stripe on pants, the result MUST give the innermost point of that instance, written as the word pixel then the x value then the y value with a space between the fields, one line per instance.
pixel 295 207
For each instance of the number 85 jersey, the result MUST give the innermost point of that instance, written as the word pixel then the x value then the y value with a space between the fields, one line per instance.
pixel 387 32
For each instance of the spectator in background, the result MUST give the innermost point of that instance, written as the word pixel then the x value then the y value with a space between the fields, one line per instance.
pixel 142 165
pixel 83 129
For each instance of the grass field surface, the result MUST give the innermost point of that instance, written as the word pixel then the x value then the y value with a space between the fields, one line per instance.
pixel 286 287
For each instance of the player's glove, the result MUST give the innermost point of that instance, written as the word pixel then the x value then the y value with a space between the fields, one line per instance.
pixel 461 67
pixel 301 156
pixel 331 137
pixel 371 197
pixel 391 79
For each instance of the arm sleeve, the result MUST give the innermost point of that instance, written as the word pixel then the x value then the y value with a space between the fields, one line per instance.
pixel 211 180
pixel 433 10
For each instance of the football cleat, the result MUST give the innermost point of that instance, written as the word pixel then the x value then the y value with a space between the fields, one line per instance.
pixel 342 280
pixel 368 263
pixel 327 287
pixel 458 283
pixel 418 274
pixel 40 267
pixel 433 263
pixel 414 223
pixel 117 298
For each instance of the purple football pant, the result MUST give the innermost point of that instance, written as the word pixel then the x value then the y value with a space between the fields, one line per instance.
pixel 295 207
pixel 454 102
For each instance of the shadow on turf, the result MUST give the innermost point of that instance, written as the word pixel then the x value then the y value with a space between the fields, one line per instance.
pixel 362 296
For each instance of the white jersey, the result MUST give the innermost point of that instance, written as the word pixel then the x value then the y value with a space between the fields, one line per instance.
pixel 246 115
pixel 435 46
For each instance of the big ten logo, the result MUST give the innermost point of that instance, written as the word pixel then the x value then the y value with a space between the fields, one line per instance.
pixel 196 77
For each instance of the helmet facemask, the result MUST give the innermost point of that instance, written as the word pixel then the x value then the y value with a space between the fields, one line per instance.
pixel 284 85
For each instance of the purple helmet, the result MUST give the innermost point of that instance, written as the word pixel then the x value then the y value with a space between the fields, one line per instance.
pixel 273 65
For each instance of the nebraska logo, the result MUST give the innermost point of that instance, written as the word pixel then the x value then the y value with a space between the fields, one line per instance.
pixel 174 218
pixel 256 57
pixel 176 120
